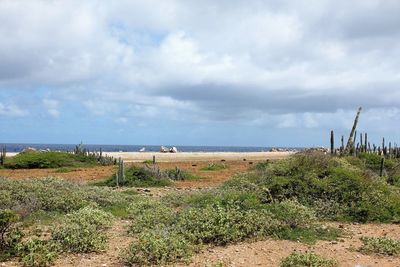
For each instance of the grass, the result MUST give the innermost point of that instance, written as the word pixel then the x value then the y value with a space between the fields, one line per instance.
pixel 380 245
pixel 50 159
pixel 65 170
pixel 214 167
pixel 308 259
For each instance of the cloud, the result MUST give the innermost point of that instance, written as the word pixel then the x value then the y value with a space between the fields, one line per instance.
pixel 291 64
pixel 12 110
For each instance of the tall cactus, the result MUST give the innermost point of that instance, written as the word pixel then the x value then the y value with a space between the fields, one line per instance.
pixel 332 142
pixel 350 141
pixel 3 153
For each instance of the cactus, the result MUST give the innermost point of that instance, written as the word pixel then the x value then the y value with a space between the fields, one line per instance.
pixel 382 165
pixel 332 142
pixel 350 142
pixel 3 153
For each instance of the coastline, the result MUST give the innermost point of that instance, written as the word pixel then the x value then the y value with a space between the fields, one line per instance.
pixel 197 156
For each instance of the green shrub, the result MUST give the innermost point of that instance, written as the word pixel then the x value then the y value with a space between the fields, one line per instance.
pixel 83 230
pixel 50 194
pixel 380 245
pixel 214 167
pixel 297 259
pixel 138 176
pixel 10 235
pixel 217 224
pixel 340 189
pixel 158 246
pixel 51 159
pixel 65 170
pixel 38 253
pixel 147 213
pixel 309 235
pixel 293 214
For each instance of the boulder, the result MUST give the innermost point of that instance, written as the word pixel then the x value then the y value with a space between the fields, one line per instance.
pixel 28 150
pixel 164 149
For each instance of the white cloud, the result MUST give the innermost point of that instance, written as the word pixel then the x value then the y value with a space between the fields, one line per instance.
pixel 12 110
pixel 288 61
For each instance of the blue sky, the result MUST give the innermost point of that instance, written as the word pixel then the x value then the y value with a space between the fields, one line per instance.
pixel 259 73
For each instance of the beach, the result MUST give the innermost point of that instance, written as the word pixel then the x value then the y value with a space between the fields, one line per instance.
pixel 197 156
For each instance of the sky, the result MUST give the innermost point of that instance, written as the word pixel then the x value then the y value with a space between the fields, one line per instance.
pixel 229 72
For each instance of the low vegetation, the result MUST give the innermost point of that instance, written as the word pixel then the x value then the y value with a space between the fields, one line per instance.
pixel 285 199
pixel 214 167
pixel 54 195
pixel 336 188
pixel 308 259
pixel 380 245
pixel 83 230
pixel 51 159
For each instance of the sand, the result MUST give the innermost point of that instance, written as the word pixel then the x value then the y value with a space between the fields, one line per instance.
pixel 197 156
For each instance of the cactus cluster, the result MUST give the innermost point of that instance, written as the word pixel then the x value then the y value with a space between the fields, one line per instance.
pixel 104 160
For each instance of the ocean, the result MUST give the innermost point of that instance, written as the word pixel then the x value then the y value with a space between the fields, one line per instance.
pixel 135 148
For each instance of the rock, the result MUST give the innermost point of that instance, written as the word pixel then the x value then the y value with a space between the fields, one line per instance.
pixel 164 149
pixel 173 150
pixel 28 150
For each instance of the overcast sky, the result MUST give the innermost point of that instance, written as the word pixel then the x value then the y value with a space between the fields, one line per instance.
pixel 244 73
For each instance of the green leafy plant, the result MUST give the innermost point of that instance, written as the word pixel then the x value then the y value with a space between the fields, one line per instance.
pixel 308 259
pixel 10 235
pixel 38 253
pixel 54 195
pixel 83 230
pixel 380 245
pixel 138 176
pixel 158 246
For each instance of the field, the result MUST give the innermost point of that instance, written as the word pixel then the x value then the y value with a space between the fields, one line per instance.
pixel 305 209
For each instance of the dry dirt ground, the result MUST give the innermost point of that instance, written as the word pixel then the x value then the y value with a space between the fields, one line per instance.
pixel 261 253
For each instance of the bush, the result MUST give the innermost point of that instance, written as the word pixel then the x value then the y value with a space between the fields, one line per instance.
pixel 51 159
pixel 10 235
pixel 297 259
pixel 148 213
pixel 138 176
pixel 350 191
pixel 214 167
pixel 83 230
pixel 38 253
pixel 50 194
pixel 217 224
pixel 380 245
pixel 158 246
pixel 293 214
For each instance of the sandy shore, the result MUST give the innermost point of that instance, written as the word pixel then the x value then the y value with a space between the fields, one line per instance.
pixel 197 156
pixel 192 156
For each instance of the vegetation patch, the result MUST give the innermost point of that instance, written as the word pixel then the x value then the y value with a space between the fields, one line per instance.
pixel 54 195
pixel 83 230
pixel 137 176
pixel 214 167
pixel 38 253
pixel 380 245
pixel 159 246
pixel 337 188
pixel 309 259
pixel 50 159
pixel 10 235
